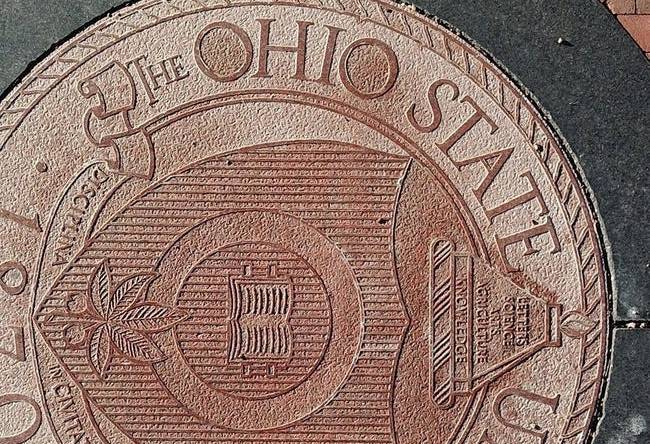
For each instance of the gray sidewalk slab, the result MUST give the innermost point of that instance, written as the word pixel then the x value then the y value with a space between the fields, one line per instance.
pixel 626 418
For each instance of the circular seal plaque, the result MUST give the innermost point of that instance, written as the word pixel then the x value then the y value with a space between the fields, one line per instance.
pixel 279 222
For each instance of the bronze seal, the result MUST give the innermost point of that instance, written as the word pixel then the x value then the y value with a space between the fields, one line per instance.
pixel 279 222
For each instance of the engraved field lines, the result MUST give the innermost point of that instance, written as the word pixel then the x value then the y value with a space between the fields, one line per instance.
pixel 256 316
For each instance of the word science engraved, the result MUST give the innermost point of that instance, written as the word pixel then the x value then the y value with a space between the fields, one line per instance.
pixel 277 222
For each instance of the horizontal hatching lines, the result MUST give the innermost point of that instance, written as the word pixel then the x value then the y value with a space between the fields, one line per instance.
pixel 130 218
pixel 260 252
pixel 139 231
pixel 261 170
pixel 260 384
pixel 258 259
pixel 208 178
pixel 285 202
pixel 217 282
pixel 321 214
pixel 333 436
pixel 146 239
pixel 211 330
pixel 300 161
pixel 318 151
pixel 226 185
pixel 209 355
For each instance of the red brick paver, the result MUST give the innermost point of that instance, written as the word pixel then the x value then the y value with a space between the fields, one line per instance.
pixel 634 15
pixel 639 28
pixel 621 6
pixel 643 6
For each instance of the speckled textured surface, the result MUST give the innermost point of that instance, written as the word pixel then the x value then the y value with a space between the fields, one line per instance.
pixel 594 88
pixel 628 411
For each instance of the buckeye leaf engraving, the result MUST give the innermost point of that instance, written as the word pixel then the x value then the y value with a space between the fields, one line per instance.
pixel 135 345
pixel 123 321
pixel 99 289
pixel 150 317
pixel 130 291
pixel 99 350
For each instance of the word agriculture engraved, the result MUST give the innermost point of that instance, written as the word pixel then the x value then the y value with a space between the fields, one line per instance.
pixel 274 222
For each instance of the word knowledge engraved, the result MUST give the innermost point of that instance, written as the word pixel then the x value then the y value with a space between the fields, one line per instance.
pixel 290 222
